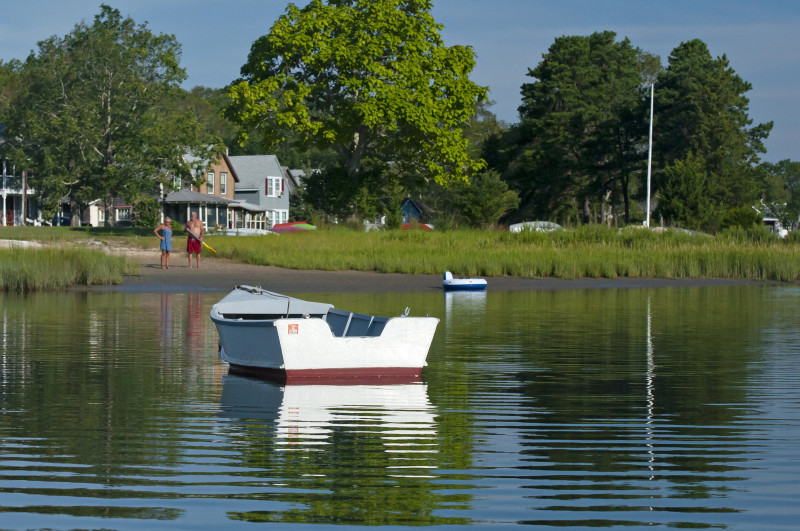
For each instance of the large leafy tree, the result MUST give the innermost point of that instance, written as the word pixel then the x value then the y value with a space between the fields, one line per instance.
pixel 9 75
pixel 96 115
pixel 370 79
pixel 701 109
pixel 579 140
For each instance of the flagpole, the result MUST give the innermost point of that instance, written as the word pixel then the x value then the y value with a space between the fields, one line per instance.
pixel 650 153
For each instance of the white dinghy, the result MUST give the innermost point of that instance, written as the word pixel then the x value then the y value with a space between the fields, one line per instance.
pixel 465 284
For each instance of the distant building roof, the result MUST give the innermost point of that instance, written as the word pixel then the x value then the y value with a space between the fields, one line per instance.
pixel 296 177
pixel 248 206
pixel 189 196
pixel 416 208
pixel 252 169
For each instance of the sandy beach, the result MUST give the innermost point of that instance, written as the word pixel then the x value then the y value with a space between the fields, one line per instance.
pixel 216 274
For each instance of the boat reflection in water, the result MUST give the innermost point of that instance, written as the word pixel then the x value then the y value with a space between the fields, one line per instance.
pixel 464 306
pixel 308 416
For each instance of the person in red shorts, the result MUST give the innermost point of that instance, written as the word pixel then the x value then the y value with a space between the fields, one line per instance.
pixel 196 232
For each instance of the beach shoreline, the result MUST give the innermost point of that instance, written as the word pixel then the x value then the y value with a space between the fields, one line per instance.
pixel 218 274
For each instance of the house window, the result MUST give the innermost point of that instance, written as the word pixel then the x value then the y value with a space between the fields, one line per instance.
pixel 276 217
pixel 223 183
pixel 101 215
pixel 273 186
pixel 210 182
pixel 123 213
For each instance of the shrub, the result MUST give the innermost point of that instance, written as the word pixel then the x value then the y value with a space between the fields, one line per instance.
pixel 755 233
pixel 793 237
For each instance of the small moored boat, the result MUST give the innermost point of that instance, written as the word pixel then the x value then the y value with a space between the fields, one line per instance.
pixel 270 334
pixel 465 284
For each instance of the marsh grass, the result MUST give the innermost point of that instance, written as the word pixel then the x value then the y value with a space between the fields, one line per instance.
pixel 130 237
pixel 54 268
pixel 592 251
pixel 589 251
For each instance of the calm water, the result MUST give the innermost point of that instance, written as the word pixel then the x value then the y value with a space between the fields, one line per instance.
pixel 671 407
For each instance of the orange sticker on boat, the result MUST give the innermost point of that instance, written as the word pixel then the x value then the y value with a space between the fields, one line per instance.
pixel 294 329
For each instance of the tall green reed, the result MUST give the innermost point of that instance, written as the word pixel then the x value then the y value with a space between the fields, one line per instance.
pixel 592 251
pixel 50 268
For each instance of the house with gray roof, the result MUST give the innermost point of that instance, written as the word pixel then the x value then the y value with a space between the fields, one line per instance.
pixel 263 183
pixel 212 201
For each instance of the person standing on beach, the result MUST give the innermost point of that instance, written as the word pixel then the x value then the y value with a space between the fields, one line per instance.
pixel 166 241
pixel 196 231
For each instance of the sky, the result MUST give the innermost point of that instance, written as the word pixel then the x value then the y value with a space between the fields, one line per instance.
pixel 761 40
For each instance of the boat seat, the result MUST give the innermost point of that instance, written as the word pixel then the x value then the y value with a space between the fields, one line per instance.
pixel 338 321
pixel 359 325
pixel 349 324
pixel 376 327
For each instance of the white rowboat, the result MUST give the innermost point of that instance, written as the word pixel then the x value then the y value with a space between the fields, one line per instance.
pixel 271 334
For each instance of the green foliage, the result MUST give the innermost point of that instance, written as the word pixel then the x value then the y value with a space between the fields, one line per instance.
pixel 96 113
pixel 23 270
pixel 755 233
pixel 369 78
pixel 581 132
pixel 701 108
pixel 743 216
pixel 781 191
pixel 446 223
pixel 793 238
pixel 483 201
pixel 685 198
pixel 147 213
pixel 589 251
pixel 394 193
pixel 9 79
pixel 330 192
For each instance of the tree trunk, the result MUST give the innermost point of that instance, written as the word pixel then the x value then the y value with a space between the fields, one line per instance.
pixel 75 214
pixel 626 198
pixel 108 204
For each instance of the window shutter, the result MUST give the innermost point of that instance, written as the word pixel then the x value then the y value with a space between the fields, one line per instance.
pixel 282 181
pixel 266 186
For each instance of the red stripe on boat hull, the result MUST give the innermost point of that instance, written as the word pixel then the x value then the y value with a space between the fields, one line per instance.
pixel 361 375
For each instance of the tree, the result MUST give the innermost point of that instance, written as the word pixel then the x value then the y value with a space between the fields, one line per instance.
pixel 685 199
pixel 9 76
pixel 701 108
pixel 781 190
pixel 482 127
pixel 482 202
pixel 580 136
pixel 371 79
pixel 97 114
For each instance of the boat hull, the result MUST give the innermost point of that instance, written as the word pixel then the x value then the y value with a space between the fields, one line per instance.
pixel 307 348
pixel 464 284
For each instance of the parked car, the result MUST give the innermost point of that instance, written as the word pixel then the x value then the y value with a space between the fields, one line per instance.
pixel 62 221
pixel 538 226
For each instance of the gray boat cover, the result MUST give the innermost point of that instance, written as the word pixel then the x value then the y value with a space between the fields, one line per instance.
pixel 249 300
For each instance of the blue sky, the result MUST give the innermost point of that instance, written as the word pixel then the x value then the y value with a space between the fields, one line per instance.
pixel 761 39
